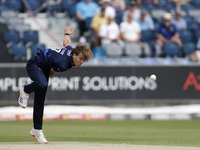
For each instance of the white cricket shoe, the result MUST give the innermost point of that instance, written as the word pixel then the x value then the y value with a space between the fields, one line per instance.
pixel 38 134
pixel 23 98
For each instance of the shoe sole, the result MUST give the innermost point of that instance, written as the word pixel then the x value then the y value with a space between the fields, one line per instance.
pixel 19 101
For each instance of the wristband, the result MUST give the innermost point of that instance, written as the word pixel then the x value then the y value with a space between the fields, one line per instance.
pixel 67 34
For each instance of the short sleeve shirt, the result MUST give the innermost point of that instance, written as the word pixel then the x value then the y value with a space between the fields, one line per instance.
pixel 87 10
pixel 130 30
pixel 59 59
pixel 169 32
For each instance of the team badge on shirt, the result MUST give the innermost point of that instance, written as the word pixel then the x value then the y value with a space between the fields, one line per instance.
pixel 69 52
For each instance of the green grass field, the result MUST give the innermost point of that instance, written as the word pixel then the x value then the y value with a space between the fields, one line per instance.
pixel 145 132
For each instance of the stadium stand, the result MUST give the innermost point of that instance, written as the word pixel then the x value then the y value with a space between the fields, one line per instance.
pixel 18 35
pixel 5 56
pixel 10 9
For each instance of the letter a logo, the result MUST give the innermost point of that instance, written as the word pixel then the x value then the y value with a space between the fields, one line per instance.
pixel 191 81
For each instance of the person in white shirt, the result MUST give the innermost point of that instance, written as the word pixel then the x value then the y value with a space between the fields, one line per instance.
pixel 134 10
pixel 110 11
pixel 109 32
pixel 130 30
pixel 179 21
pixel 131 35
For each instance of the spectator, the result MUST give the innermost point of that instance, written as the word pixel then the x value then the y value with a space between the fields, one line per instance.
pixel 85 11
pixel 109 32
pixel 133 10
pixel 145 21
pixel 110 11
pixel 179 21
pixel 96 24
pixel 178 3
pixel 195 56
pixel 131 34
pixel 146 24
pixel 118 5
pixel 130 30
pixel 167 33
pixel 142 3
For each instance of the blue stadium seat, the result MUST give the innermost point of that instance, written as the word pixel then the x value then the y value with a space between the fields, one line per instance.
pixel 188 48
pixel 14 4
pixel 169 7
pixel 31 36
pixel 127 2
pixel 187 6
pixel 196 3
pixel 188 19
pixel 18 51
pixel 118 18
pixel 72 11
pixel 166 5
pixel 157 25
pixel 150 7
pixel 11 36
pixel 32 4
pixel 147 36
pixel 67 4
pixel 162 3
pixel 186 36
pixel 171 49
pixel 34 48
pixel 3 8
pixel 197 34
pixel 193 26
pixel 99 52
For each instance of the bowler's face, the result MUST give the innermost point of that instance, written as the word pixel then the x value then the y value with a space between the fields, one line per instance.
pixel 78 60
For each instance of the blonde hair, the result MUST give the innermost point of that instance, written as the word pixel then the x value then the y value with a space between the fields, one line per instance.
pixel 85 49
